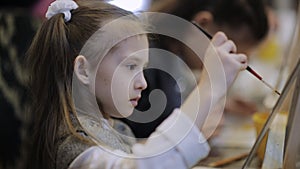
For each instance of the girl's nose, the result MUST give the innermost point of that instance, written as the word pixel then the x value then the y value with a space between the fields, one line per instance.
pixel 140 81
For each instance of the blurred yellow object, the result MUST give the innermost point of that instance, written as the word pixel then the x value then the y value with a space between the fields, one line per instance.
pixel 259 119
pixel 269 50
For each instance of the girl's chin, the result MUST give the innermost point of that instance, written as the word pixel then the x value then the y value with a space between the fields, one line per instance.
pixel 123 114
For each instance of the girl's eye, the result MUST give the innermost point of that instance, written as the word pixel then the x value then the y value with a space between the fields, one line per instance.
pixel 132 66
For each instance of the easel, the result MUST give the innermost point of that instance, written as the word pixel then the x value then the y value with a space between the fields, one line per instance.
pixel 292 146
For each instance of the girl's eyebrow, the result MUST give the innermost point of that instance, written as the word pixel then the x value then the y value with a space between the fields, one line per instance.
pixel 135 57
pixel 138 59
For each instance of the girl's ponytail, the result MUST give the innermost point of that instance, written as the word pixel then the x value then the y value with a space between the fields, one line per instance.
pixel 50 63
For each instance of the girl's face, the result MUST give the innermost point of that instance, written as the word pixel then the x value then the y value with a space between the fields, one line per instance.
pixel 120 79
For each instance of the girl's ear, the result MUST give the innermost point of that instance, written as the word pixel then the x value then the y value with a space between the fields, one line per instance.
pixel 203 18
pixel 81 69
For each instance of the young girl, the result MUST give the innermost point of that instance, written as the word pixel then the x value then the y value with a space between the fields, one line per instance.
pixel 86 66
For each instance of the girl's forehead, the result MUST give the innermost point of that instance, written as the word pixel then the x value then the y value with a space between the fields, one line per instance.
pixel 110 35
pixel 132 40
pixel 131 46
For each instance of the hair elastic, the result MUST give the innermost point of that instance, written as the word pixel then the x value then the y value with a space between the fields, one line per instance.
pixel 61 6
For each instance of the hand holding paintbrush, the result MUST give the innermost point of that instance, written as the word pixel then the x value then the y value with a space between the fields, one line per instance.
pixel 249 69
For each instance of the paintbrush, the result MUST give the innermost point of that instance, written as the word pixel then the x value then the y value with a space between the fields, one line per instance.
pixel 249 69
pixel 227 161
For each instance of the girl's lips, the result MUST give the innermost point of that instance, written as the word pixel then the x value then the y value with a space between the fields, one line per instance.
pixel 135 101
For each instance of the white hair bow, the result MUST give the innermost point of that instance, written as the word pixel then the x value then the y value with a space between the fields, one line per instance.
pixel 61 6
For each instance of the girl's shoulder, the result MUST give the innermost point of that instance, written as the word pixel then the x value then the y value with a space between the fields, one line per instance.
pixel 117 136
pixel 68 149
pixel 69 146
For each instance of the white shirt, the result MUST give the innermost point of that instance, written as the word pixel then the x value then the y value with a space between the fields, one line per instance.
pixel 176 143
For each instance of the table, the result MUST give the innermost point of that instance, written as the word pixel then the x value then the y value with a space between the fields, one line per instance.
pixel 236 136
